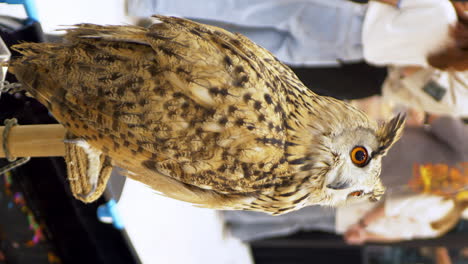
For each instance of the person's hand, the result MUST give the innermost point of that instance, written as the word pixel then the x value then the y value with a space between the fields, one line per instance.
pixel 431 118
pixel 414 117
pixel 355 235
pixel 354 228
pixel 410 70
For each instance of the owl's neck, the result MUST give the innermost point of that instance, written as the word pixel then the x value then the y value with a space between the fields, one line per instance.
pixel 312 122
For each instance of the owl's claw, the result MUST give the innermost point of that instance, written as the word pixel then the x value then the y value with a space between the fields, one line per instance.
pixel 8 87
pixel 86 196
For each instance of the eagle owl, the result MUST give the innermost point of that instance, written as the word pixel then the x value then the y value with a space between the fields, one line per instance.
pixel 204 116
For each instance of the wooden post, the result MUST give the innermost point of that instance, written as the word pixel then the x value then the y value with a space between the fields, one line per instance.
pixel 35 141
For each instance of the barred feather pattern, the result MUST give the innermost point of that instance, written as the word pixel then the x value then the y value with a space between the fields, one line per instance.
pixel 197 113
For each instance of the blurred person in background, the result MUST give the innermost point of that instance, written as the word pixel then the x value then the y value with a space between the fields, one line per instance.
pixel 399 216
pixel 328 43
pixel 442 88
pixel 318 33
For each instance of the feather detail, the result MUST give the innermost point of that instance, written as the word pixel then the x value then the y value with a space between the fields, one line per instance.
pixel 193 111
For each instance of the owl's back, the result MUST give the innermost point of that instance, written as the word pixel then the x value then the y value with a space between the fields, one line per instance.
pixel 197 104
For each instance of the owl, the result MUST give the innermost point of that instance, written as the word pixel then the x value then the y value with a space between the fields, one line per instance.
pixel 202 115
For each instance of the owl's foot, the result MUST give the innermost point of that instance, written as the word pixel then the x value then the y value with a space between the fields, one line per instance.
pixel 8 87
pixel 85 197
pixel 88 169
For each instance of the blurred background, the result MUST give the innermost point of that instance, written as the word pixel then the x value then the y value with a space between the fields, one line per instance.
pixel 335 47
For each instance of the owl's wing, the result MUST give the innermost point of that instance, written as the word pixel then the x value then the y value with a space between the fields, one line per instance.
pixel 196 104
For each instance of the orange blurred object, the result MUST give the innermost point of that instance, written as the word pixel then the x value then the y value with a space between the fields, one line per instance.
pixel 440 179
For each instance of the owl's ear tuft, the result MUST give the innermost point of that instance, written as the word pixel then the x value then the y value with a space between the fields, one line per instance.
pixel 389 133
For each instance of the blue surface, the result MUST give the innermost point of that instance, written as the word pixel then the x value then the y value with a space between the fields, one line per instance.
pixel 109 209
pixel 29 6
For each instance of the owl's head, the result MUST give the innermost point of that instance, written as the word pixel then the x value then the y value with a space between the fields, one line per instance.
pixel 350 160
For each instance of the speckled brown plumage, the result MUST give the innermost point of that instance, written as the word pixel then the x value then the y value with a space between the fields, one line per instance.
pixel 195 112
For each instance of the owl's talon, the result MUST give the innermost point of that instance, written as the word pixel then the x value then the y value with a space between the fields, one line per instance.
pixel 8 87
pixel 86 196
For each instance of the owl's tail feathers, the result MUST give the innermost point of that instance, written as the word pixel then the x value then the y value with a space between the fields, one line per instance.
pixel 131 34
pixel 32 68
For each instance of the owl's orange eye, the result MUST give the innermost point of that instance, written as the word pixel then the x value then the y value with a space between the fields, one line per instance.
pixel 359 156
pixel 355 194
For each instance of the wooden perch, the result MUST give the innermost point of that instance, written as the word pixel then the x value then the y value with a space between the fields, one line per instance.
pixel 35 141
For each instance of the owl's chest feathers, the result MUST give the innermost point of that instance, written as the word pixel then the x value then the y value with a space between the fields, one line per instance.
pixel 292 195
pixel 301 188
pixel 306 171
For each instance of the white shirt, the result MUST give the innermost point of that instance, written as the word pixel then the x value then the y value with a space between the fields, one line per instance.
pixel 429 90
pixel 406 217
pixel 405 36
